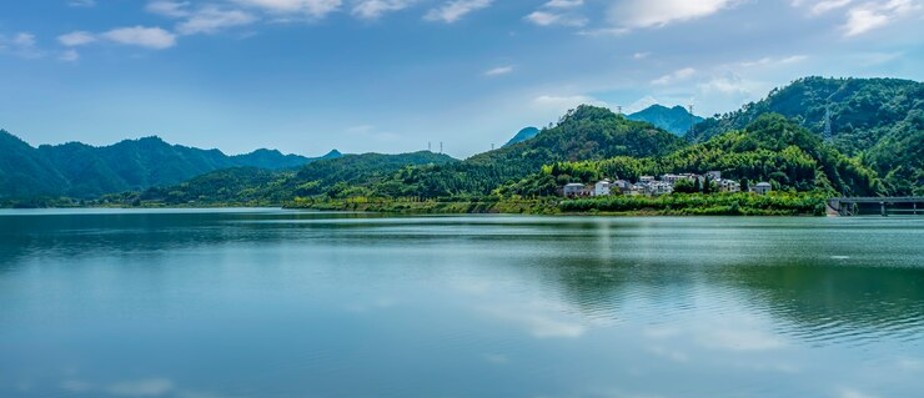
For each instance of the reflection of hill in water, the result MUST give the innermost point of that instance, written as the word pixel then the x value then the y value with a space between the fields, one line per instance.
pixel 838 302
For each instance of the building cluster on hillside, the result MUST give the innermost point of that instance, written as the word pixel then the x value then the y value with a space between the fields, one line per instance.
pixel 651 186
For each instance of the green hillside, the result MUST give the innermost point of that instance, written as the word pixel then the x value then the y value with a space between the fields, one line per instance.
pixel 337 177
pixel 771 149
pixel 83 171
pixel 877 120
pixel 585 133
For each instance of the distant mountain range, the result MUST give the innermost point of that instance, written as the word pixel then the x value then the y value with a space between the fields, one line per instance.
pixel 83 171
pixel 676 120
pixel 875 147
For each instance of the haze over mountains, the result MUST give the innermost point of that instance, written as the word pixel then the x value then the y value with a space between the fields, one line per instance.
pixel 877 127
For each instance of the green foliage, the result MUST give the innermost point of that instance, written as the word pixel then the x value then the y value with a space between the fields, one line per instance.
pixel 585 133
pixel 775 203
pixel 877 120
pixel 770 149
pixel 84 171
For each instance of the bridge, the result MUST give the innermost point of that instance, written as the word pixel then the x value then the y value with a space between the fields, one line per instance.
pixel 909 205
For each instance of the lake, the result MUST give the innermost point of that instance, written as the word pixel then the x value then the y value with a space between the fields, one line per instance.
pixel 272 303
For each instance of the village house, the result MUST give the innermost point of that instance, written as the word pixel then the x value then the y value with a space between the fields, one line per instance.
pixel 762 188
pixel 602 188
pixel 650 186
pixel 729 186
pixel 575 189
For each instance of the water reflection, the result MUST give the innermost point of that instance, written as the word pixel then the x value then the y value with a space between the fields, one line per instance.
pixel 280 304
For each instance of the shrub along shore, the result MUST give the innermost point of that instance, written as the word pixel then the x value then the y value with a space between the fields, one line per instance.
pixel 726 204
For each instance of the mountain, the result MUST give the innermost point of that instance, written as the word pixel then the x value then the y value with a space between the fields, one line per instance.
pixel 676 120
pixel 877 120
pixel 84 171
pixel 346 175
pixel 523 135
pixel 584 133
pixel 772 148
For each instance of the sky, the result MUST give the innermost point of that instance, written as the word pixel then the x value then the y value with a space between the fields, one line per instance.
pixel 389 76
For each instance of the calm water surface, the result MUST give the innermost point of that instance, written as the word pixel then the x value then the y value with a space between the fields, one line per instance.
pixel 266 303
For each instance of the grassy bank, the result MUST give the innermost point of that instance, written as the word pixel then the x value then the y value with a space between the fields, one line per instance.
pixel 739 204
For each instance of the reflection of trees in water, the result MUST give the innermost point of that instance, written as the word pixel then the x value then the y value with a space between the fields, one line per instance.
pixel 829 302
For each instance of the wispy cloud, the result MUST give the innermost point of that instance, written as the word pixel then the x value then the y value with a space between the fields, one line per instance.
pixel 154 38
pixel 454 10
pixel 77 38
pixel 81 3
pixel 874 15
pixel 211 19
pixel 674 77
pixel 655 13
pixel 558 13
pixel 374 9
pixel 547 18
pixel 314 9
pixel 499 71
pixel 22 45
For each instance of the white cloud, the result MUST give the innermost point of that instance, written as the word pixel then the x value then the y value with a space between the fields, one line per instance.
pixel 454 10
pixel 69 55
pixel 81 3
pixel 77 38
pixel 173 9
pixel 826 6
pixel 499 71
pixel 22 44
pixel 873 15
pixel 155 38
pixel 310 8
pixel 212 19
pixel 674 77
pixel 564 3
pixel 374 9
pixel 771 61
pixel 546 18
pixel 641 55
pixel 656 13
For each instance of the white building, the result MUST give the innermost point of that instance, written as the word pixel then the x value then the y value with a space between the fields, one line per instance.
pixel 658 188
pixel 714 175
pixel 646 179
pixel 602 188
pixel 574 189
pixel 762 188
pixel 622 185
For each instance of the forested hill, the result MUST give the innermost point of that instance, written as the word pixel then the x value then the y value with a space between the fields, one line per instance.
pixel 771 148
pixel 349 175
pixel 676 120
pixel 862 110
pixel 878 120
pixel 584 133
pixel 83 171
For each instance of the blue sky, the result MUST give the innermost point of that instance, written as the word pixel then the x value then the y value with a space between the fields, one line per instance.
pixel 306 76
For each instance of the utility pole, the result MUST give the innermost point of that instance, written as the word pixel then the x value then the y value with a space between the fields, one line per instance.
pixel 441 147
pixel 492 146
pixel 429 146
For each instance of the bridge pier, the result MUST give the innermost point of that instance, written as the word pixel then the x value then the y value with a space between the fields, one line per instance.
pixel 915 208
pixel 885 213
